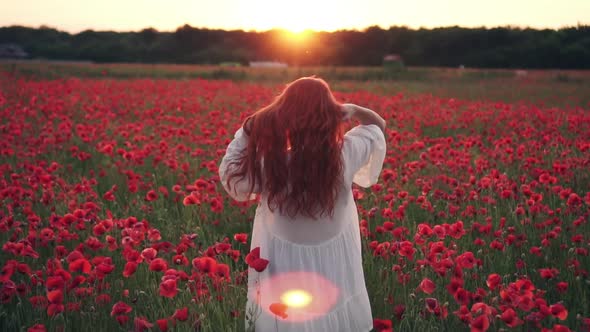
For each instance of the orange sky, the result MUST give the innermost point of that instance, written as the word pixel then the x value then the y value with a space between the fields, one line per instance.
pixel 296 15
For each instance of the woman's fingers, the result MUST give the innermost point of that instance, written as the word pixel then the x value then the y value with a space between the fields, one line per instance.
pixel 248 125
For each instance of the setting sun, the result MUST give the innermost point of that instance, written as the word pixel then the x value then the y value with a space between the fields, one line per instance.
pixel 297 36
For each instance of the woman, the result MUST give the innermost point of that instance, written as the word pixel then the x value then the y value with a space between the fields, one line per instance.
pixel 294 154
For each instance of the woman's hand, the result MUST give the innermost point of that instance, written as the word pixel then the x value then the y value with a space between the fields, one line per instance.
pixel 248 125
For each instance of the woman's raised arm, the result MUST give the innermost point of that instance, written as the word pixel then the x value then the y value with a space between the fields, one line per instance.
pixel 364 115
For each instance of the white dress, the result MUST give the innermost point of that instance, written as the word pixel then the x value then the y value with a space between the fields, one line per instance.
pixel 315 266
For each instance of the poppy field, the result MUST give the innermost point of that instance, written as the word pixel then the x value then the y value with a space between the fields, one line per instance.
pixel 112 216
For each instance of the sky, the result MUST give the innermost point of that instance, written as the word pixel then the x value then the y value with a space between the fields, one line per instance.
pixel 295 15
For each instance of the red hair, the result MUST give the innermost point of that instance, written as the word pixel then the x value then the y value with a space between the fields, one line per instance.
pixel 305 122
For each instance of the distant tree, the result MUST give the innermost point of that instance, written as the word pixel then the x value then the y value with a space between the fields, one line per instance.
pixel 148 35
pixel 499 47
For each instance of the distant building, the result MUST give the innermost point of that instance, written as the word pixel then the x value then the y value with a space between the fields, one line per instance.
pixel 392 57
pixel 393 61
pixel 268 64
pixel 12 51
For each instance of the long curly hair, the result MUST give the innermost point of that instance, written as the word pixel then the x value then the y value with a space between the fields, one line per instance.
pixel 294 150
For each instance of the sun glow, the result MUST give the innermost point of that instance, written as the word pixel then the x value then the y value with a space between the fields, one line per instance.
pixel 296 17
pixel 296 37
pixel 296 298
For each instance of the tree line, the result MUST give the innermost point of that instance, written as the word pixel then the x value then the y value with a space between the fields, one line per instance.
pixel 499 47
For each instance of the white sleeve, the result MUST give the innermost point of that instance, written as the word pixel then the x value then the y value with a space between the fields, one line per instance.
pixel 364 152
pixel 239 186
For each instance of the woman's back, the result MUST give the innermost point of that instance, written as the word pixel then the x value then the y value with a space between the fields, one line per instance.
pixel 293 153
pixel 315 265
pixel 356 150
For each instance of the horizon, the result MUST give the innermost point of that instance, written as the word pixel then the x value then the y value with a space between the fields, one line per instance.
pixel 308 15
pixel 46 26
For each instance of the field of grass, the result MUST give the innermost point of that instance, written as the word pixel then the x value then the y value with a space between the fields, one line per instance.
pixel 112 217
pixel 563 88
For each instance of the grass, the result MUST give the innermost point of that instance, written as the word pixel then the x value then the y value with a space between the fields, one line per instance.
pixel 561 88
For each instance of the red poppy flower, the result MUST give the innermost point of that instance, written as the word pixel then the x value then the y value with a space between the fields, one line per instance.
pixel 462 296
pixel 149 254
pixel 222 247
pixel 55 296
pixel 168 288
pixel 164 191
pixel 105 267
pixel 109 196
pixel 204 264
pixel 254 261
pixel 37 328
pixel 216 205
pixel 561 286
pixel 6 273
pixel 162 324
pixel 382 325
pixel 151 195
pixel 222 271
pixel 122 319
pixel 54 309
pixel 252 255
pixel 482 308
pixel 191 200
pixel 406 249
pixel 141 324
pixel 493 280
pixel 56 281
pixel 431 304
pixel 102 299
pixel 154 235
pixel 480 323
pixel 120 308
pixel 279 309
pixel 129 270
pixel 181 314
pixel 259 264
pixel 465 260
pixel 180 260
pixel 510 317
pixel 74 255
pixel 234 254
pixel 39 301
pixel 158 265
pixel 559 311
pixel 427 286
pixel 241 237
pixel 93 243
pixel 548 273
pixel 388 225
pixel 76 281
pixel 424 230
pixel 557 328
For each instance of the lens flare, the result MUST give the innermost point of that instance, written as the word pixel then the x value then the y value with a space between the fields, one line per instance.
pixel 307 295
pixel 296 298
